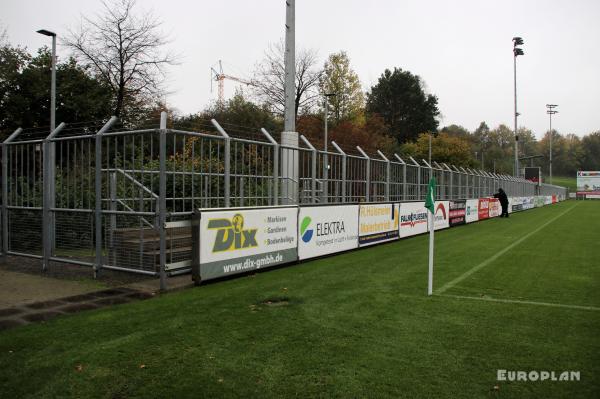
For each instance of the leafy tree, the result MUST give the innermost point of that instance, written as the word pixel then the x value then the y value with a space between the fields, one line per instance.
pixel 399 97
pixel 125 52
pixel 591 151
pixel 339 78
pixel 445 147
pixel 25 91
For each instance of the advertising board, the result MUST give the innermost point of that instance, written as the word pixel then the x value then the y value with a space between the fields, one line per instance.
pixel 441 218
pixel 516 204
pixel 457 212
pixel 494 208
pixel 554 199
pixel 540 201
pixel 378 223
pixel 237 241
pixel 484 208
pixel 472 211
pixel 528 202
pixel 413 219
pixel 588 182
pixel 324 230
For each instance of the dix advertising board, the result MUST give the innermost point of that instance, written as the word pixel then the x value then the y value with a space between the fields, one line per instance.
pixel 237 241
pixel 472 211
pixel 378 223
pixel 324 230
pixel 413 219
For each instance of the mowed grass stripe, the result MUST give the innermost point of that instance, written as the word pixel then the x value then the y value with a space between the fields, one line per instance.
pixel 535 303
pixel 498 254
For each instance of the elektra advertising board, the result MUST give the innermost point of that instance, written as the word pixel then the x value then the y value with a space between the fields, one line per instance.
pixel 324 230
pixel 413 219
pixel 472 211
pixel 441 218
pixel 378 223
pixel 237 241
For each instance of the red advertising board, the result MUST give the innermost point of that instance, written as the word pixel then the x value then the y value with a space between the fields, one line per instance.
pixel 484 208
pixel 554 199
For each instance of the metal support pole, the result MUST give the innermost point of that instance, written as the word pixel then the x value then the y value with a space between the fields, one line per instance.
pixel 403 176
pixel 5 191
pixel 313 168
pixel 98 262
pixel 226 161
pixel 162 199
pixel 275 165
pixel 388 172
pixel 344 157
pixel 516 115
pixel 368 177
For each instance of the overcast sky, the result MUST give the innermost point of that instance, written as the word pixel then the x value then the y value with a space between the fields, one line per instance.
pixel 462 49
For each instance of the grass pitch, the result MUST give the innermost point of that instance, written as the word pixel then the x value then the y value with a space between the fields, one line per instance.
pixel 354 325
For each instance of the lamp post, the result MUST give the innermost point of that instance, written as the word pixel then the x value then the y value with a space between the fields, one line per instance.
pixel 550 111
pixel 53 79
pixel 517 41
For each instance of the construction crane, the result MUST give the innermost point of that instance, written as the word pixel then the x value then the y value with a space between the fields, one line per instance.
pixel 220 77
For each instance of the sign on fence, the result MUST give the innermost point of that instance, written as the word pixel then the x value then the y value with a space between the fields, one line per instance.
pixel 472 211
pixel 413 219
pixel 237 241
pixel 588 182
pixel 457 212
pixel 378 223
pixel 484 208
pixel 494 208
pixel 516 204
pixel 441 218
pixel 324 230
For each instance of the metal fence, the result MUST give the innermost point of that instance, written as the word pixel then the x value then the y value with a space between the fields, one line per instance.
pixel 122 200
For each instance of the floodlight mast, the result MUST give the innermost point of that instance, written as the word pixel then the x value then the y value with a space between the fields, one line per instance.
pixel 517 41
pixel 550 111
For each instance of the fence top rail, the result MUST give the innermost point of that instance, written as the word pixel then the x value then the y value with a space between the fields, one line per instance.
pixel 130 132
pixel 36 141
pixel 195 134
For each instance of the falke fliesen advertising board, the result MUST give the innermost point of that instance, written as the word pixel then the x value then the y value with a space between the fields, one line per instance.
pixel 457 213
pixel 378 223
pixel 324 230
pixel 494 208
pixel 413 219
pixel 237 241
pixel 441 218
pixel 472 211
pixel 484 208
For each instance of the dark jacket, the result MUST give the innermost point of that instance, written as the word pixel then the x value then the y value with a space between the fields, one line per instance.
pixel 501 195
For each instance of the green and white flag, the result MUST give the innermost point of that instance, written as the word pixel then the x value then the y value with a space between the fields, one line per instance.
pixel 430 199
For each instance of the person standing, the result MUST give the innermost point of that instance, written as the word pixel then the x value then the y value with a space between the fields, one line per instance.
pixel 501 196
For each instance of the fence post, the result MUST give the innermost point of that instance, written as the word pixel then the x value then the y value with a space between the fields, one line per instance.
pixel 313 167
pixel 226 161
pixel 388 172
pixel 368 177
pixel 275 165
pixel 403 176
pixel 98 193
pixel 338 149
pixel 48 196
pixel 5 191
pixel 162 198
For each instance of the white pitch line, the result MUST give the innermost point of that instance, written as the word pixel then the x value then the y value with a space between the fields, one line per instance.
pixel 492 258
pixel 555 305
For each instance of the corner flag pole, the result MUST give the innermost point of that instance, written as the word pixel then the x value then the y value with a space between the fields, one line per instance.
pixel 430 205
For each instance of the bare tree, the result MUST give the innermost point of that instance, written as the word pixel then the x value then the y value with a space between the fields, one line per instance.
pixel 269 77
pixel 125 51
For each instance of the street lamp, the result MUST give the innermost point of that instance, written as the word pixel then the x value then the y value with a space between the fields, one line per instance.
pixel 517 41
pixel 53 84
pixel 550 111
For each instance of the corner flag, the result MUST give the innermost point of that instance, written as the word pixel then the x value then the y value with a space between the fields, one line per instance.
pixel 430 204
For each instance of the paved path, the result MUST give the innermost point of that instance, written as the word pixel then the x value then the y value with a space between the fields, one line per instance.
pixel 23 288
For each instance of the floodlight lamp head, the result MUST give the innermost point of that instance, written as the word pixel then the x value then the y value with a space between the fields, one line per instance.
pixel 518 51
pixel 46 32
pixel 517 40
